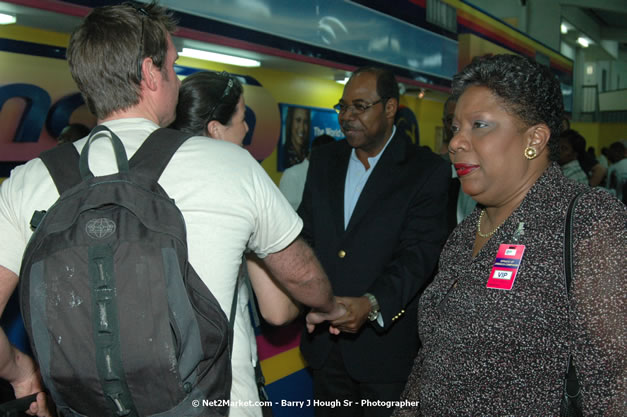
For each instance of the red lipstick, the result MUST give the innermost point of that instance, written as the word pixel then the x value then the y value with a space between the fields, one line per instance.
pixel 464 169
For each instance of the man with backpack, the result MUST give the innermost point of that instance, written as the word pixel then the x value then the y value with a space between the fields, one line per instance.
pixel 122 59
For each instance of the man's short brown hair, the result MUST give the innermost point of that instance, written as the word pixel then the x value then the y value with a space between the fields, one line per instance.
pixel 105 52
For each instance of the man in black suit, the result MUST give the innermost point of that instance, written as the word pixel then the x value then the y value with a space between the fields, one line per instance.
pixel 374 209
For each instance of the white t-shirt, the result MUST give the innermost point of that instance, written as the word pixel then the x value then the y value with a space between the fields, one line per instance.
pixel 228 202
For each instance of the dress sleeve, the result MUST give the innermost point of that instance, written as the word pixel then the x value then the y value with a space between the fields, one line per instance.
pixel 598 300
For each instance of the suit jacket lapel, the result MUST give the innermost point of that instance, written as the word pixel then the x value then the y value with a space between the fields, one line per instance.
pixel 384 175
pixel 337 179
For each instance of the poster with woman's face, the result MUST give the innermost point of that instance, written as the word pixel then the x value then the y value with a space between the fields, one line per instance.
pixel 299 126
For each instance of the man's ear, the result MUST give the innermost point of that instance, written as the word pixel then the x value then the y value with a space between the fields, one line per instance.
pixel 391 107
pixel 149 75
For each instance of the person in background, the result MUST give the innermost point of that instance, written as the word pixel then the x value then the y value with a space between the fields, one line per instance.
pixel 603 158
pixel 569 159
pixel 617 173
pixel 374 210
pixel 227 200
pixel 297 135
pixel 293 179
pixel 593 169
pixel 495 343
pixel 73 132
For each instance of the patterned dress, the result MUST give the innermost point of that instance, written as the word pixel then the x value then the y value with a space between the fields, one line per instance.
pixel 489 352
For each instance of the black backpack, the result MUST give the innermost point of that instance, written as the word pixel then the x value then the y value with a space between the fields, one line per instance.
pixel 119 321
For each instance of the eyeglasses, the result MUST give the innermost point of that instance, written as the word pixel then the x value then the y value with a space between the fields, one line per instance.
pixel 356 108
pixel 140 59
pixel 225 93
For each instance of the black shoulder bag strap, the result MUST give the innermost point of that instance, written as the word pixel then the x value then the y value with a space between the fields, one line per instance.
pixel 62 164
pixel 151 158
pixel 155 153
pixel 571 405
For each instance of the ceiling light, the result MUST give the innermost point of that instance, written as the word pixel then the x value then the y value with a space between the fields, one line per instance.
pixel 6 19
pixel 222 58
pixel 583 41
pixel 564 29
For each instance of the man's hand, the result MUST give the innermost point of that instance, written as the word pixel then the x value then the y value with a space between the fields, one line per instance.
pixel 31 384
pixel 357 309
pixel 41 407
pixel 15 366
pixel 316 317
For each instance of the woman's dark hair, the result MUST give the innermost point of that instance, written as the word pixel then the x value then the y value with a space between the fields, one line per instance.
pixel 205 96
pixel 527 89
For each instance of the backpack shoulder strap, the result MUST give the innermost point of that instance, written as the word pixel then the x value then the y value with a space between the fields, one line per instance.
pixel 155 153
pixel 62 163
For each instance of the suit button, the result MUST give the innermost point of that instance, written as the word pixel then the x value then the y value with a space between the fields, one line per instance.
pixel 341 254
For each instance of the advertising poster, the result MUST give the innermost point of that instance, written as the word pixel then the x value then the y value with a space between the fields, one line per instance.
pixel 299 126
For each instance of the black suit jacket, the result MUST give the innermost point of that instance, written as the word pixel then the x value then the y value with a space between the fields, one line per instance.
pixel 390 249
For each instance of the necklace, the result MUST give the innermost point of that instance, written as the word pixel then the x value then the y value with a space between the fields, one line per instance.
pixel 484 235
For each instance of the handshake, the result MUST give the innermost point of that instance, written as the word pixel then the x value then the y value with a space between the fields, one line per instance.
pixel 348 315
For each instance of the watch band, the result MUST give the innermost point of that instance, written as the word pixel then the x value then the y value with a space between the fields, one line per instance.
pixel 374 307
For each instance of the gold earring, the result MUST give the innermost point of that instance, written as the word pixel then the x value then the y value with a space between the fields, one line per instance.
pixel 530 152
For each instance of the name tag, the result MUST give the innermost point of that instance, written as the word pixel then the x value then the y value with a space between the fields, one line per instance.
pixel 505 266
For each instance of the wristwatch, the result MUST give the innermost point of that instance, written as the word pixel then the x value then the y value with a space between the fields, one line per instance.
pixel 374 306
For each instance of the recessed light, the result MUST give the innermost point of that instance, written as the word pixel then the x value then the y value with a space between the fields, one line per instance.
pixel 6 19
pixel 222 58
